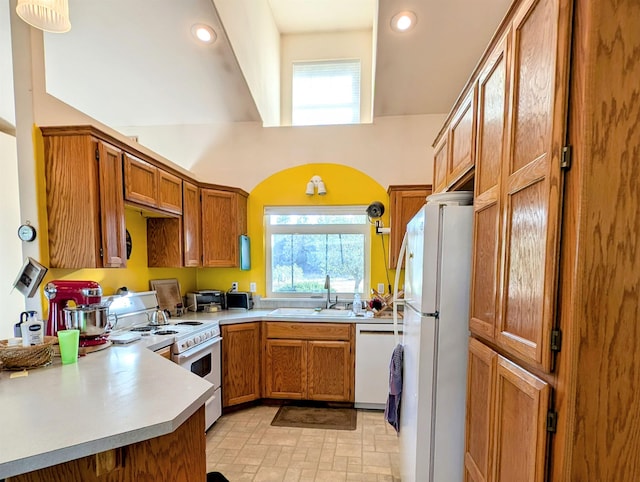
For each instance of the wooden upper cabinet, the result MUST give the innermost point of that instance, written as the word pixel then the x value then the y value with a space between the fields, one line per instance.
pixel 440 163
pixel 169 192
pixel 532 179
pixel 114 249
pixel 191 224
pixel 519 427
pixel 85 210
pixel 404 203
pixel 491 124
pixel 462 139
pixel 224 219
pixel 141 181
pixel 241 361
pixel 151 186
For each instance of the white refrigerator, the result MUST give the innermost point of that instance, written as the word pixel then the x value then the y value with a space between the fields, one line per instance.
pixel 437 286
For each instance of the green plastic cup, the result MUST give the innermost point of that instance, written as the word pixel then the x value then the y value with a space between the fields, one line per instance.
pixel 68 341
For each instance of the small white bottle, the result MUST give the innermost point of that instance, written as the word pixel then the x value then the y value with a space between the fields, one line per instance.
pixel 32 331
pixel 357 304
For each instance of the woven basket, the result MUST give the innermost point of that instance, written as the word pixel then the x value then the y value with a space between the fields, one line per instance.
pixel 19 357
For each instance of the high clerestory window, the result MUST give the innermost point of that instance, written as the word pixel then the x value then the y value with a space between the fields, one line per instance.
pixel 305 244
pixel 326 92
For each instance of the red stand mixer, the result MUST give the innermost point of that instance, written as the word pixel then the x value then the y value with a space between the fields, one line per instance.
pixel 69 294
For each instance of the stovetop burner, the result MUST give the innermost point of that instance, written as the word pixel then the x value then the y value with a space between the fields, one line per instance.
pixel 190 323
pixel 143 328
pixel 165 332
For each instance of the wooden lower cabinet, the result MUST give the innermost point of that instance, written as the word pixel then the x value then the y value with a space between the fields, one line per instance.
pixel 329 369
pixel 179 456
pixel 309 361
pixel 241 346
pixel 286 369
pixel 506 434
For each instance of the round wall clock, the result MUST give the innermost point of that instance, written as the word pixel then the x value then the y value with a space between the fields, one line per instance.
pixel 26 232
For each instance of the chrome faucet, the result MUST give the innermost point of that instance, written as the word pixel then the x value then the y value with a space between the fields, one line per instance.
pixel 327 286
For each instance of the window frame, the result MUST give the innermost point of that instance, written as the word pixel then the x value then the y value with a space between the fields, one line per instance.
pixel 269 229
pixel 355 109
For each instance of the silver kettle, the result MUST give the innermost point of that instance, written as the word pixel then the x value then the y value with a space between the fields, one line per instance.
pixel 159 317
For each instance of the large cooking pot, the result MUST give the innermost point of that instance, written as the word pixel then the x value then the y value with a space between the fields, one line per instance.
pixel 91 320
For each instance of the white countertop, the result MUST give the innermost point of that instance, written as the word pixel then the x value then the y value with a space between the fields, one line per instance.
pixel 111 398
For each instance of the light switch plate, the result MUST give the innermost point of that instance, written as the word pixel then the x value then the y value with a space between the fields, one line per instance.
pixel 381 288
pixel 252 287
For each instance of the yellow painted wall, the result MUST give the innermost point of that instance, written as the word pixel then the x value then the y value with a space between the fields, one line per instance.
pixel 345 186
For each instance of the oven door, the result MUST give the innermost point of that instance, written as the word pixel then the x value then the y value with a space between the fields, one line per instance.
pixel 204 360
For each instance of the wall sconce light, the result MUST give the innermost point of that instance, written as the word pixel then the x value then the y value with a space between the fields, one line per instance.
pixel 47 15
pixel 316 183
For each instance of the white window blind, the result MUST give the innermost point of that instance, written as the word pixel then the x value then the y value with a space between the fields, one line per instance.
pixel 326 92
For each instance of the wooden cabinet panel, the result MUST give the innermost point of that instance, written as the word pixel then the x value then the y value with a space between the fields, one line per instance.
pixel 404 203
pixel 221 227
pixel 492 105
pixel 141 181
pixel 462 139
pixel 286 369
pixel 329 370
pixel 169 192
pixel 240 363
pixel 308 331
pixel 310 361
pixel 440 164
pixel 481 378
pixel 149 185
pixel 532 182
pixel 522 402
pixel 191 224
pixel 164 242
pixel 85 210
pixel 114 249
pixel 176 456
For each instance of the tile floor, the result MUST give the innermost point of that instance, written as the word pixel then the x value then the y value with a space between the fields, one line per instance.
pixel 244 446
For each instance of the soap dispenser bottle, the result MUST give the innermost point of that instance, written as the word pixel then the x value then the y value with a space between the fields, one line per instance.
pixel 32 330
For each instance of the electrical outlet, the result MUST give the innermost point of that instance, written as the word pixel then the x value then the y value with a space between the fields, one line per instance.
pixel 252 287
pixel 234 286
pixel 381 288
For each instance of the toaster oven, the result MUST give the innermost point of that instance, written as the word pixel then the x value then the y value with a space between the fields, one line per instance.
pixel 239 299
pixel 199 300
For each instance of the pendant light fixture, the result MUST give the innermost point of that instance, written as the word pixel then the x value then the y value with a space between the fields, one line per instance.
pixel 47 15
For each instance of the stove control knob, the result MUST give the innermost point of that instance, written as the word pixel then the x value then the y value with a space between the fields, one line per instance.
pixel 189 342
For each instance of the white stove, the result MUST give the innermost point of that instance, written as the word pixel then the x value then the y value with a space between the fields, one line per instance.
pixel 195 345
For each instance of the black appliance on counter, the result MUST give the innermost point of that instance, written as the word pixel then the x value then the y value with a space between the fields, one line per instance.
pixel 200 300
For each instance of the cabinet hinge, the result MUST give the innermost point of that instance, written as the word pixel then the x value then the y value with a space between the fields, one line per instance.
pixel 556 340
pixel 101 253
pixel 552 421
pixel 97 154
pixel 565 158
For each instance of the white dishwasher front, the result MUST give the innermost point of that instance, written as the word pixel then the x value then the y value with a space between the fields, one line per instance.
pixel 374 346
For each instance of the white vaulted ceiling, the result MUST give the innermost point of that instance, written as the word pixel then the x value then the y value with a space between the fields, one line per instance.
pixel 134 63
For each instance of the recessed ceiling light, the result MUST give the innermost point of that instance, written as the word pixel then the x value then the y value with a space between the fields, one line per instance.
pixel 403 21
pixel 204 33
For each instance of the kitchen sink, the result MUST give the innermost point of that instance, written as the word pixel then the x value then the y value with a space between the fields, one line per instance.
pixel 311 313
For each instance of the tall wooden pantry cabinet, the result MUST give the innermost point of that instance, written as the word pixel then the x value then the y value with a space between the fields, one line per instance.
pixel 554 354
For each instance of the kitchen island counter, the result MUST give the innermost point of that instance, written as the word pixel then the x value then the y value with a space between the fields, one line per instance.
pixel 109 399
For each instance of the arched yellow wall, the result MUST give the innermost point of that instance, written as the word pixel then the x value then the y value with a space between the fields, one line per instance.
pixel 345 186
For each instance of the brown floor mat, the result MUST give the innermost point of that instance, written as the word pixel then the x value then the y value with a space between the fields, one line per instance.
pixel 316 417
